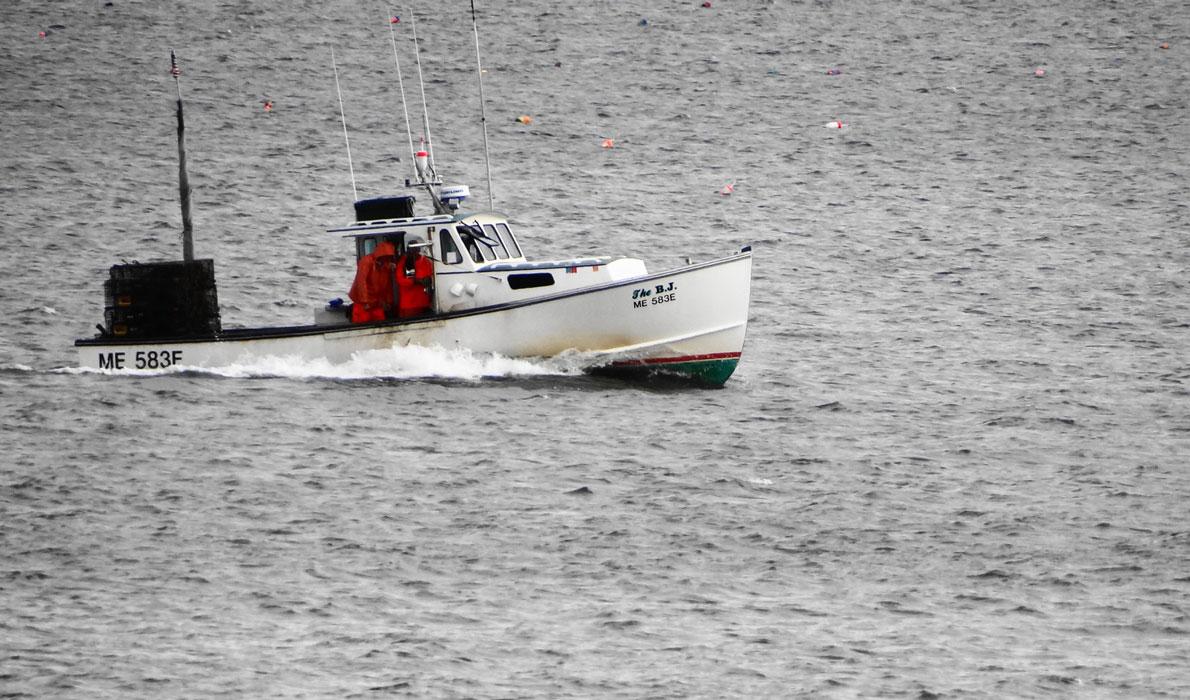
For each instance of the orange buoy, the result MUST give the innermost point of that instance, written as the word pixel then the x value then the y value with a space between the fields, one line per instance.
pixel 1164 45
pixel 609 143
pixel 525 119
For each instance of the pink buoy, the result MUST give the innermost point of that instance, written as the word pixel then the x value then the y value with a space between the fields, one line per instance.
pixel 836 124
pixel 727 189
pixel 1040 73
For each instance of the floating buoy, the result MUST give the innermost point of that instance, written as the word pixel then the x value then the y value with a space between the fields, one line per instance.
pixel 706 4
pixel 1039 73
pixel 727 189
pixel 643 22
pixel 525 119
pixel 609 143
pixel 41 35
pixel 268 105
pixel 394 20
pixel 836 124
pixel 834 71
pixel 1164 45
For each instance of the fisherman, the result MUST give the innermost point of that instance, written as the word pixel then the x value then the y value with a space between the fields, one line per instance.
pixel 372 290
pixel 415 277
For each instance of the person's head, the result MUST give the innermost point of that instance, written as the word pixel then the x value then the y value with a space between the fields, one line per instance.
pixel 384 250
pixel 414 243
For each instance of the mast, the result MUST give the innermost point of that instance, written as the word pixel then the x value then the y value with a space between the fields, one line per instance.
pixel 483 118
pixel 183 179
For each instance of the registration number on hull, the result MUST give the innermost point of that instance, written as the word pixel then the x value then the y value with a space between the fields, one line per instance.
pixel 644 297
pixel 140 359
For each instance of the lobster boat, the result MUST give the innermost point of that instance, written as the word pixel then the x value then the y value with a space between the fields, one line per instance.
pixel 486 296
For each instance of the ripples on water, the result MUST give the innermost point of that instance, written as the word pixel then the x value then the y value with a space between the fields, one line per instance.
pixel 951 462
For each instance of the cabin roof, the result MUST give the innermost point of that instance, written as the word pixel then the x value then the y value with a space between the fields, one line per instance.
pixel 381 226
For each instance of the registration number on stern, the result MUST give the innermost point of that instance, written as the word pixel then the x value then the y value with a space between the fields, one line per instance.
pixel 141 359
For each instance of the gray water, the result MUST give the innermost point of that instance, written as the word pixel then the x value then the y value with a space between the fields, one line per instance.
pixel 951 463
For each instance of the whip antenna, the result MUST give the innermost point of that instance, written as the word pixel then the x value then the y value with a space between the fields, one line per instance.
pixel 343 118
pixel 392 35
pixel 425 110
pixel 483 118
pixel 183 179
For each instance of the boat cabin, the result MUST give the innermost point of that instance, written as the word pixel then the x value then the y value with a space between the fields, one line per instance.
pixel 476 258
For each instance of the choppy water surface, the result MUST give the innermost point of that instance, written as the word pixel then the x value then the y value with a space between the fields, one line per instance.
pixel 951 463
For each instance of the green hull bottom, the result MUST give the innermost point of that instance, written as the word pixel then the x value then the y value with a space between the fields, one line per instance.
pixel 711 372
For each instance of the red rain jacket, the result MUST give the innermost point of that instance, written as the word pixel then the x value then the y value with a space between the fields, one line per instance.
pixel 412 285
pixel 372 289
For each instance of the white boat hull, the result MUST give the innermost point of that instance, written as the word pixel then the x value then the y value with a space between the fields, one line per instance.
pixel 689 320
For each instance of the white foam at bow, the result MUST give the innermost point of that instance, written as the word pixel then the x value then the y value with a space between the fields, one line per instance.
pixel 411 362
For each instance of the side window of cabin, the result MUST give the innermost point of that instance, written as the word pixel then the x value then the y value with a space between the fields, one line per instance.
pixel 450 251
pixel 490 231
pixel 364 246
pixel 514 250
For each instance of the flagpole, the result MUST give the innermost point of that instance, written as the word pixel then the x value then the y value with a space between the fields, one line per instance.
pixel 183 179
pixel 392 35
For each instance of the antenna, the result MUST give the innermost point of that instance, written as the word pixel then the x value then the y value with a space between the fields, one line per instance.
pixel 183 179
pixel 392 35
pixel 424 107
pixel 483 118
pixel 343 117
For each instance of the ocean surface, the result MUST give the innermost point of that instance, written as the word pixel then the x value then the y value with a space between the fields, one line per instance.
pixel 952 462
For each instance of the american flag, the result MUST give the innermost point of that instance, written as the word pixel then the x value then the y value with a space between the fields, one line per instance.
pixel 173 65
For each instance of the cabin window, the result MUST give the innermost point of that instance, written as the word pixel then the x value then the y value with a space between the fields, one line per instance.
pixel 529 280
pixel 498 248
pixel 364 246
pixel 471 244
pixel 450 251
pixel 480 240
pixel 514 250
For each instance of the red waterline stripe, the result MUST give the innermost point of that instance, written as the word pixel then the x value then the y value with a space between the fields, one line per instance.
pixel 687 358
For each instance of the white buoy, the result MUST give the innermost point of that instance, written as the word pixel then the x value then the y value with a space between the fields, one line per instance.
pixel 836 124
pixel 422 160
